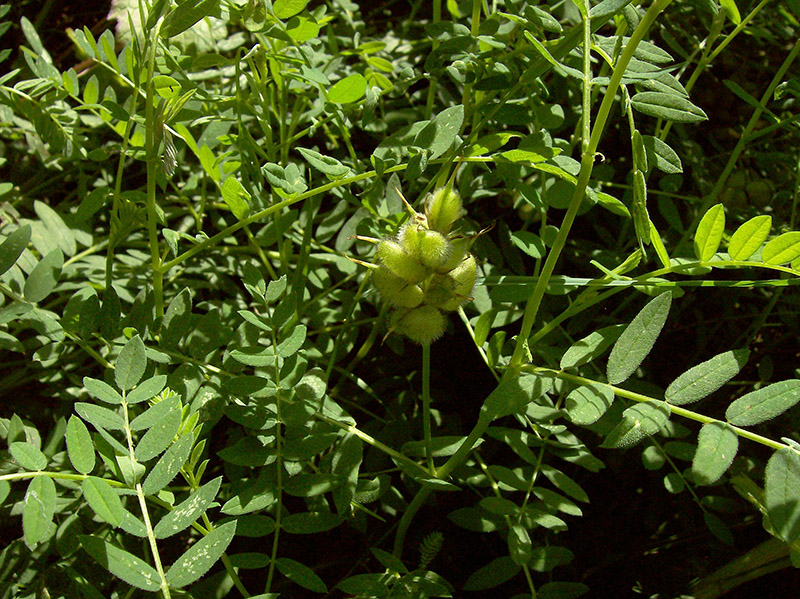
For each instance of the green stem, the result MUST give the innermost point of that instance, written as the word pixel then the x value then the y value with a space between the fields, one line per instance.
pixel 587 164
pixel 151 537
pixel 426 404
pixel 688 414
pixel 151 147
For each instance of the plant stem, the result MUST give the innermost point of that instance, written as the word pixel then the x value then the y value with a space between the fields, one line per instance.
pixel 683 412
pixel 426 404
pixel 587 164
pixel 151 147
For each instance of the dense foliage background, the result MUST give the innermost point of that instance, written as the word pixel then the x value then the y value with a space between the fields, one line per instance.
pixel 204 395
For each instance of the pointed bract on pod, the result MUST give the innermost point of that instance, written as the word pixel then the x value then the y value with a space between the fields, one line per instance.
pixel 395 290
pixel 443 209
pixel 392 255
pixel 424 324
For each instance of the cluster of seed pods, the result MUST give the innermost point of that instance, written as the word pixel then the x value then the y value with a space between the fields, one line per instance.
pixel 426 270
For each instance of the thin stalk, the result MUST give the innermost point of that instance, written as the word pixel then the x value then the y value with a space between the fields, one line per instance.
pixel 151 537
pixel 587 164
pixel 437 16
pixel 279 472
pixel 683 412
pixel 426 404
pixel 152 166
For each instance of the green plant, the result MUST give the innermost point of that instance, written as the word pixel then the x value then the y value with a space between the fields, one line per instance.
pixel 197 397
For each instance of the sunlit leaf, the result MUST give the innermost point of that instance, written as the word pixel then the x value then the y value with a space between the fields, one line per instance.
pixel 702 380
pixel 638 339
pixel 709 233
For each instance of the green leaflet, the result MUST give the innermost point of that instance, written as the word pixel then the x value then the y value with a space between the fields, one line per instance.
pixel 765 403
pixel 545 559
pixel 639 421
pixel 638 339
pixel 185 15
pixel 783 249
pixel 103 500
pixel 350 89
pixel 590 347
pixel 324 164
pixel 125 566
pixel 300 574
pixel 79 445
pixel 749 237
pixel 199 558
pixel 702 380
pixel 717 444
pixel 100 417
pixel 514 395
pixel 27 456
pixel 288 8
pixel 130 364
pixel 709 233
pixel 102 391
pixel 155 413
pixel 236 197
pixel 661 155
pixel 782 493
pixel 586 404
pixel 13 246
pixel 44 277
pixel 168 465
pixel 38 510
pixel 189 510
pixel 147 389
pixel 667 106
pixel 492 574
pixel 519 544
pixel 161 433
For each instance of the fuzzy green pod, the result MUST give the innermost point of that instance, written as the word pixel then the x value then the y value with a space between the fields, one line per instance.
pixel 433 250
pixel 443 209
pixel 409 237
pixel 459 247
pixel 424 324
pixel 392 255
pixel 464 277
pixel 394 290
pixel 441 290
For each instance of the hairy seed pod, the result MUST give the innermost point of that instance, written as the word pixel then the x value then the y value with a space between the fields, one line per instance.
pixel 443 208
pixel 394 290
pixel 459 248
pixel 464 276
pixel 441 290
pixel 433 249
pixel 424 324
pixel 392 255
pixel 409 237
